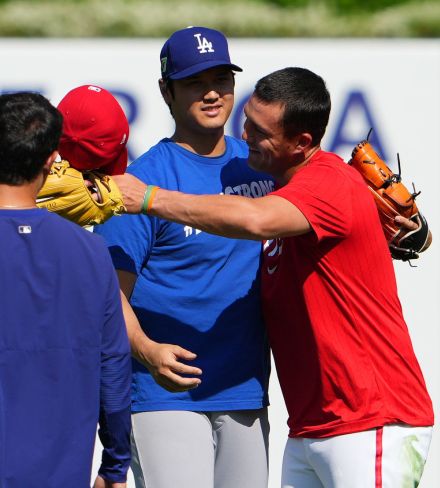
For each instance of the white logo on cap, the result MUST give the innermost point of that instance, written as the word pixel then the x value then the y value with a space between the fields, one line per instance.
pixel 124 138
pixel 94 88
pixel 204 45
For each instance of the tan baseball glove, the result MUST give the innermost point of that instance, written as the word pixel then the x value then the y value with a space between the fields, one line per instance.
pixel 87 198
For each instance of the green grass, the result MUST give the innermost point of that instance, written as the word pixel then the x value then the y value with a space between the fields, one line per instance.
pixel 240 18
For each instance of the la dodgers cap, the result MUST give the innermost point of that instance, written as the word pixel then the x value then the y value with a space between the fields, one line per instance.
pixel 95 130
pixel 192 50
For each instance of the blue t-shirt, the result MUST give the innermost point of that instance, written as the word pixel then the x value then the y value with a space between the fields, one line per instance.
pixel 195 289
pixel 64 354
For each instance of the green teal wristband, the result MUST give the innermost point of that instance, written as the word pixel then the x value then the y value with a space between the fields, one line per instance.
pixel 148 198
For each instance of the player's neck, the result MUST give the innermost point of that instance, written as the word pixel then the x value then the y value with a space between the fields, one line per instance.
pixel 303 160
pixel 17 197
pixel 210 144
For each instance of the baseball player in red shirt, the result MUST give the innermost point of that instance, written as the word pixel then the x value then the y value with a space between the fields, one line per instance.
pixel 359 411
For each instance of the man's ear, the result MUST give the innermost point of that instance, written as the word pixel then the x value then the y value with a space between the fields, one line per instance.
pixel 49 161
pixel 300 145
pixel 304 142
pixel 165 91
pixel 41 178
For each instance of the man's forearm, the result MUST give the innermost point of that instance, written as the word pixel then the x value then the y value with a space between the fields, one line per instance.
pixel 210 213
pixel 139 341
pixel 225 215
pixel 136 336
pixel 162 360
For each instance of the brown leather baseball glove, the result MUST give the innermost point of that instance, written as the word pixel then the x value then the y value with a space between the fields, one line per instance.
pixel 392 199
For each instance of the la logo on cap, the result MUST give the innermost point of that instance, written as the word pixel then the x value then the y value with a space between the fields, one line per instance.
pixel 204 45
pixel 190 51
pixel 94 88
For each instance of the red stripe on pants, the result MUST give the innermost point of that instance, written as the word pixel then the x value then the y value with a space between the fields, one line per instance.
pixel 378 466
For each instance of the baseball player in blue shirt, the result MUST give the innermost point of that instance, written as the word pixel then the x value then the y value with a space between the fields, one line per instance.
pixel 64 352
pixel 199 388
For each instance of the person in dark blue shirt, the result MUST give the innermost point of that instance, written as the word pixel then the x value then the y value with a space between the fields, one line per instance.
pixel 64 352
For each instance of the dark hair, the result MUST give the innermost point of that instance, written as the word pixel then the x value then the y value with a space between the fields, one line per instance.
pixel 30 130
pixel 305 98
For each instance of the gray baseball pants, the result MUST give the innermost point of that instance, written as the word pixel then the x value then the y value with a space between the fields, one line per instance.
pixel 185 449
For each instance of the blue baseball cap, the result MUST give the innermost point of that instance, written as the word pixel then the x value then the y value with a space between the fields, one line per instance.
pixel 192 50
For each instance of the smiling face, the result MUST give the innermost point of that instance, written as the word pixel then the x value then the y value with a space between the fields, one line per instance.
pixel 270 150
pixel 201 104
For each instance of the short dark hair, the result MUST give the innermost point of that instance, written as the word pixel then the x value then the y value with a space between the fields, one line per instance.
pixel 30 130
pixel 304 96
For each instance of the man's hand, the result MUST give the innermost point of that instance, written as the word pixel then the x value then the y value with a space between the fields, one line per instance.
pixel 102 483
pixel 164 363
pixel 410 225
pixel 132 190
pixel 162 360
pixel 405 223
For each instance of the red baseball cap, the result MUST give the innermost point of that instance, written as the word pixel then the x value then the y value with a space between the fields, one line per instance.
pixel 95 130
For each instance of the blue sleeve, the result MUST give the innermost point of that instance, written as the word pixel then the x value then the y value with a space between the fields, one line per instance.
pixel 114 415
pixel 130 239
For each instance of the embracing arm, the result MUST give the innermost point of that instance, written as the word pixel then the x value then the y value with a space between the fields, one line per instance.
pixel 230 216
pixel 162 360
pixel 225 215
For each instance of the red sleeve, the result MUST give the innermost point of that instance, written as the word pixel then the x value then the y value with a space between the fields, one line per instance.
pixel 322 192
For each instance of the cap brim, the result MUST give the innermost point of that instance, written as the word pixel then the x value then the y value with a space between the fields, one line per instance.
pixel 202 67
